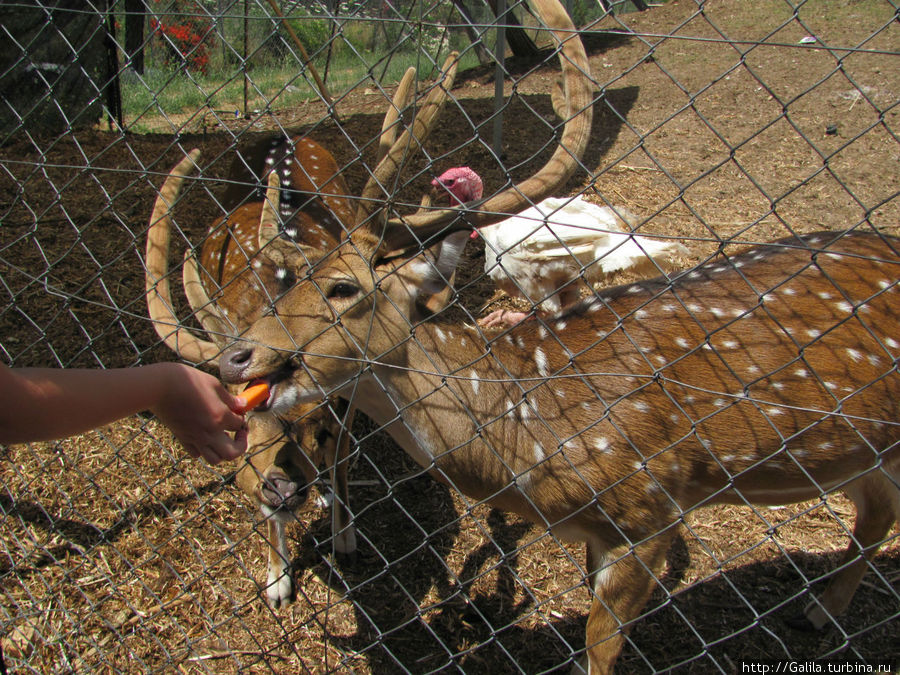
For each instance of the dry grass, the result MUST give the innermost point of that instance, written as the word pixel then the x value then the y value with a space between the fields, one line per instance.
pixel 119 555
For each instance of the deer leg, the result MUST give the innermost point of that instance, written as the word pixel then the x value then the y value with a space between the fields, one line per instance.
pixel 620 590
pixel 279 585
pixel 877 500
pixel 341 519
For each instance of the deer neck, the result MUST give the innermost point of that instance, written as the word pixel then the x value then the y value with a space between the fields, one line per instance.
pixel 460 407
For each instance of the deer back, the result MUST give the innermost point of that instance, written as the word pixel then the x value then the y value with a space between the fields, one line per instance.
pixel 239 276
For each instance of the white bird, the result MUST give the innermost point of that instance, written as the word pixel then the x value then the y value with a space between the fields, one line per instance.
pixel 541 253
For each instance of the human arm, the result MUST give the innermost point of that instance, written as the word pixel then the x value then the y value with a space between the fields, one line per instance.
pixel 47 403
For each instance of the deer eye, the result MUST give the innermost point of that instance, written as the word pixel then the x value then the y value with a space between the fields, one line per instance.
pixel 342 290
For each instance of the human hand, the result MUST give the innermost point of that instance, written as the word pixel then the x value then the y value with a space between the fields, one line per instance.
pixel 200 412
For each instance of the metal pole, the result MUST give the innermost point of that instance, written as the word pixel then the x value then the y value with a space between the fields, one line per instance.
pixel 244 58
pixel 499 78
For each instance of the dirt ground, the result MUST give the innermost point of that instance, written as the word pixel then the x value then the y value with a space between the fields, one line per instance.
pixel 121 555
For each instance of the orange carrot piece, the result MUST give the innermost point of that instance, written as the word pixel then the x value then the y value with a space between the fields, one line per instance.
pixel 254 395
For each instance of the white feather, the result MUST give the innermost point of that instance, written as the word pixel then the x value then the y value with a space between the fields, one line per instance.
pixel 540 250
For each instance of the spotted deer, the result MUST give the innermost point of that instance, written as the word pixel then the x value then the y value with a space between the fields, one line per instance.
pixel 228 288
pixel 766 375
pixel 237 277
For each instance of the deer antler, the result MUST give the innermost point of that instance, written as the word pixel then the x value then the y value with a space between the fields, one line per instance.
pixel 401 99
pixel 372 195
pixel 205 310
pixel 158 291
pixel 576 111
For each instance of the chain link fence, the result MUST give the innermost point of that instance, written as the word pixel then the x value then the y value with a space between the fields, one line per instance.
pixel 715 123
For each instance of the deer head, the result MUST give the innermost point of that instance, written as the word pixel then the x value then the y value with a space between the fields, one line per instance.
pixel 250 257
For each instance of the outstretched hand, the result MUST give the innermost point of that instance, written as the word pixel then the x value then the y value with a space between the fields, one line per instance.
pixel 42 404
pixel 200 412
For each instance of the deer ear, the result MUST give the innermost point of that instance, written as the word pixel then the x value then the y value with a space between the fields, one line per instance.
pixel 433 267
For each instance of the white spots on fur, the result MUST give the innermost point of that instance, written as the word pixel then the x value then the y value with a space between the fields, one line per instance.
pixel 717 312
pixel 694 307
pixel 813 333
pixel 731 344
pixel 774 411
pixel 641 314
pixel 440 334
pixel 602 444
pixel 640 406
pixel 683 343
pixel 634 289
pixel 540 360
pixel 844 306
pixel 720 402
pixel 675 418
pixel 281 274
pixel 854 354
pixel 538 453
pixel 801 372
pixel 560 326
pixel 524 411
pixel 873 359
pixel 778 386
pixel 788 290
pixel 884 284
pixel 892 343
pixel 475 381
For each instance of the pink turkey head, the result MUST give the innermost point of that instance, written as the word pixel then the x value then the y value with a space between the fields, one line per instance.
pixel 457 186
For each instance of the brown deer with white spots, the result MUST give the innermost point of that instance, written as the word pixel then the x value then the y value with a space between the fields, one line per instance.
pixel 228 288
pixel 767 376
pixel 241 270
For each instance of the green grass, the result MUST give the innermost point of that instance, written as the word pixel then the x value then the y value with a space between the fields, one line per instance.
pixel 165 98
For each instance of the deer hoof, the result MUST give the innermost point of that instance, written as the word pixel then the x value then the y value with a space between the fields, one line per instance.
pixel 280 591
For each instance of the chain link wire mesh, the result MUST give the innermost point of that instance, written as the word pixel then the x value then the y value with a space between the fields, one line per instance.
pixel 715 123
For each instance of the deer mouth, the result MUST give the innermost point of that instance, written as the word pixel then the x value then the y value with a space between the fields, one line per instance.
pixel 278 382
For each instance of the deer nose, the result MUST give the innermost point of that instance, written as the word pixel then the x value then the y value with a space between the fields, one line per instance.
pixel 234 363
pixel 279 491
